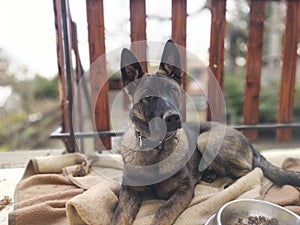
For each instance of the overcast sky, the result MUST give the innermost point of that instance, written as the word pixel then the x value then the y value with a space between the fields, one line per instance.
pixel 28 34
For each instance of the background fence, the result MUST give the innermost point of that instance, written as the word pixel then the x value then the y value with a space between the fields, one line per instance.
pixel 67 43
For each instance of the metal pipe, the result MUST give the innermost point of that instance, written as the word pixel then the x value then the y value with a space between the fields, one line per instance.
pixel 267 126
pixel 59 134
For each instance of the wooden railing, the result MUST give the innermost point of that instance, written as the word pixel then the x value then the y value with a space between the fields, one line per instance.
pixel 95 15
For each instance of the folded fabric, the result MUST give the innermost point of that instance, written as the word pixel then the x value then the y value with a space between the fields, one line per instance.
pixel 55 164
pixel 96 205
pixel 286 195
pixel 41 195
pixel 102 167
pixel 49 193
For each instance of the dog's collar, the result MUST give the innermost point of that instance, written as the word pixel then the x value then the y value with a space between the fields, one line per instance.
pixel 144 142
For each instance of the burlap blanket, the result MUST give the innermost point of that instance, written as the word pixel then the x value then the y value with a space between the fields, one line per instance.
pixel 49 193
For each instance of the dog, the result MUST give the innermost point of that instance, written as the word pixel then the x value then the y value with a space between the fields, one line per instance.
pixel 161 154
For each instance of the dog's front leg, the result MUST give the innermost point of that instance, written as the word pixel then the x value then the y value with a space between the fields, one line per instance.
pixel 127 206
pixel 170 210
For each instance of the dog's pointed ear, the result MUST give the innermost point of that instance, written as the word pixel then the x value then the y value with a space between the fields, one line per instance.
pixel 130 67
pixel 170 62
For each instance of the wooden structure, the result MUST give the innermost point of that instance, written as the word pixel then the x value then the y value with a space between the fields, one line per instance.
pixel 95 11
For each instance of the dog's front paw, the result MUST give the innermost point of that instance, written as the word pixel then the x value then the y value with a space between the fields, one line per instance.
pixel 163 217
pixel 120 220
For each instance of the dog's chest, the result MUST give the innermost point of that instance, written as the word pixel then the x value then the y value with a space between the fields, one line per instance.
pixel 137 157
pixel 133 155
pixel 166 188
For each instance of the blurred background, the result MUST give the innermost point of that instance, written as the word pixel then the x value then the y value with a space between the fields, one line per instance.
pixel 29 97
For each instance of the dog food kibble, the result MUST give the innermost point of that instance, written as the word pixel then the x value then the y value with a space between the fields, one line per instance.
pixel 256 220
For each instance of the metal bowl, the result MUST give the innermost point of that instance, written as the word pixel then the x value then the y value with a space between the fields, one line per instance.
pixel 231 211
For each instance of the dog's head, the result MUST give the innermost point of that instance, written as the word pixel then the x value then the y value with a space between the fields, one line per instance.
pixel 155 98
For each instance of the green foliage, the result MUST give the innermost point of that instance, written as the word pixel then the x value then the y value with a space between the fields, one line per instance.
pixel 297 103
pixel 268 99
pixel 9 128
pixel 17 131
pixel 234 97
pixel 45 88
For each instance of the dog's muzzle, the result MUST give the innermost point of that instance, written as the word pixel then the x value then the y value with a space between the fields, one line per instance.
pixel 160 129
pixel 172 120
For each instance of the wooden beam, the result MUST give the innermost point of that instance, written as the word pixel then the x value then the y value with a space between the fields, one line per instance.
pixel 216 59
pixel 288 73
pixel 78 117
pixel 138 30
pixel 254 63
pixel 68 69
pixel 98 72
pixel 60 64
pixel 64 111
pixel 179 15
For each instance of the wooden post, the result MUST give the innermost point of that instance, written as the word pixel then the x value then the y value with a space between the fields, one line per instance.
pixel 179 14
pixel 79 73
pixel 68 69
pixel 254 63
pixel 61 63
pixel 138 30
pixel 287 88
pixel 98 73
pixel 216 58
pixel 62 76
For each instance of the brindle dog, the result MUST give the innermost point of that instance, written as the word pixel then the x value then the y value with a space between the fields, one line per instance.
pixel 161 154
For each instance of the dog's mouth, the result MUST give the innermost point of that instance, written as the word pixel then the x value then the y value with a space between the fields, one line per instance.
pixel 159 143
pixel 160 132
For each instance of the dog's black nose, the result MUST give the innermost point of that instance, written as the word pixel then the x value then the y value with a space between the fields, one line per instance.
pixel 173 120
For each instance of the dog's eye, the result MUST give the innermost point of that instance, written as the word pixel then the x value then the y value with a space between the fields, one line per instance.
pixel 147 95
